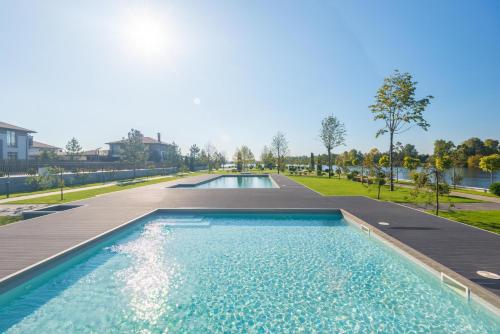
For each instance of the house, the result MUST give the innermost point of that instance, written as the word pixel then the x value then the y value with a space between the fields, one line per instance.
pixel 37 149
pixel 157 149
pixel 95 155
pixel 14 142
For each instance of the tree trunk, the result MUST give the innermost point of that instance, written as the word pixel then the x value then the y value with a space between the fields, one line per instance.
pixel 391 148
pixel 379 186
pixel 329 163
pixel 491 177
pixel 454 179
pixel 437 193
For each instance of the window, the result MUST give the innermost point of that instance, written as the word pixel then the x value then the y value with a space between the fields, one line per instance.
pixel 12 155
pixel 11 139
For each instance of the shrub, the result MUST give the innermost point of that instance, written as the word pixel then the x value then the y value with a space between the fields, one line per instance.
pixel 495 188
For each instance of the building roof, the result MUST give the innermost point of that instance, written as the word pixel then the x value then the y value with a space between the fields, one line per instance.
pixel 4 125
pixel 145 140
pixel 37 144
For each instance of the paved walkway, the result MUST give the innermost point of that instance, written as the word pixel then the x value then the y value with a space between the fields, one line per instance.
pixel 72 190
pixel 461 194
pixel 478 197
pixel 460 247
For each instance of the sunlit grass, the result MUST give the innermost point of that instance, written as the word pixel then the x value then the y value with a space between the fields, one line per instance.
pixel 344 187
pixel 487 220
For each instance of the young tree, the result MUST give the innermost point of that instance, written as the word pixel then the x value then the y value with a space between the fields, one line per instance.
pixel 311 162
pixel 209 151
pixel 279 147
pixel 267 158
pixel 458 160
pixel 134 150
pixel 239 161
pixel 221 157
pixel 73 148
pixel 194 152
pixel 396 105
pixel 382 163
pixel 246 155
pixel 411 163
pixel 490 164
pixel 332 134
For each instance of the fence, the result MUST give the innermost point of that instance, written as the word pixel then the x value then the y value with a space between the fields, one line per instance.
pixel 32 167
pixel 25 176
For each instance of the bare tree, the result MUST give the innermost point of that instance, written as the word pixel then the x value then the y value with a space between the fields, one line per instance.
pixel 279 147
pixel 332 135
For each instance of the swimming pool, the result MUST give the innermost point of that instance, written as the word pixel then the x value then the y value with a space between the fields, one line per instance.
pixel 228 272
pixel 238 181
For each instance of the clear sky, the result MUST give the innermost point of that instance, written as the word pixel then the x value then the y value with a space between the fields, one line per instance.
pixel 235 72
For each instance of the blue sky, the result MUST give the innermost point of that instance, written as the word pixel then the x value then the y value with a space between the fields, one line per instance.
pixel 235 72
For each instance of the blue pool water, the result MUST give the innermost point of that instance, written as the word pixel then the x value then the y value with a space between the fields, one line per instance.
pixel 240 181
pixel 217 273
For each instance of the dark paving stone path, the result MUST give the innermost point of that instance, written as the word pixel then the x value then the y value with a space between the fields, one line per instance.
pixel 461 248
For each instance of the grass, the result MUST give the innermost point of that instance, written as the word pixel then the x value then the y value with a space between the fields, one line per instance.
pixel 26 193
pixel 344 187
pixel 4 220
pixel 84 194
pixel 458 190
pixel 486 220
pixel 55 189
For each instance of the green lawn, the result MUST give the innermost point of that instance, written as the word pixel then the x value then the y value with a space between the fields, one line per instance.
pixel 487 220
pixel 77 186
pixel 25 193
pixel 79 195
pixel 344 187
pixel 4 220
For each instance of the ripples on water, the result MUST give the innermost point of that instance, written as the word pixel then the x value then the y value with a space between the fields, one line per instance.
pixel 254 274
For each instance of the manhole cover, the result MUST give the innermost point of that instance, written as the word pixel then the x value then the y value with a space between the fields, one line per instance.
pixel 488 274
pixel 383 223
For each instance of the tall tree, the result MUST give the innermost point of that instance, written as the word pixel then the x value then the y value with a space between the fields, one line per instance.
pixel 491 146
pixel 279 147
pixel 398 108
pixel 332 134
pixel 134 150
pixel 73 148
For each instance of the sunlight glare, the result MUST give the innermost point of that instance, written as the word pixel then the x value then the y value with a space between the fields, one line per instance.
pixel 146 36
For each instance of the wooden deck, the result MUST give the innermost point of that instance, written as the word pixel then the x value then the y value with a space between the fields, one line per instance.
pixel 462 248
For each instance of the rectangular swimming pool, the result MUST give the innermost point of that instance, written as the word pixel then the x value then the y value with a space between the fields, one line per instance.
pixel 238 181
pixel 240 272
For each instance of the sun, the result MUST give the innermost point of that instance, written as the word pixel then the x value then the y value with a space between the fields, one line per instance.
pixel 146 35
